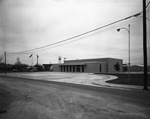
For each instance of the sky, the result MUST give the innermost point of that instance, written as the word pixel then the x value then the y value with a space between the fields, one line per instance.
pixel 29 24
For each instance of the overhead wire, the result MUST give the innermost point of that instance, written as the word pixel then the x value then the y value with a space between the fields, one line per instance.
pixel 26 51
pixel 147 4
pixel 67 42
pixel 76 36
pixel 12 56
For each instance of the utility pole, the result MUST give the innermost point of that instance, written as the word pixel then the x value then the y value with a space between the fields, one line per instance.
pixel 32 60
pixel 5 63
pixel 145 46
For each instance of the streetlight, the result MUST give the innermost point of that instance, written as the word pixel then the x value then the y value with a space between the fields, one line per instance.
pixel 128 30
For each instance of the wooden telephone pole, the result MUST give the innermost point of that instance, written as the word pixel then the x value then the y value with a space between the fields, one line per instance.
pixel 5 63
pixel 145 46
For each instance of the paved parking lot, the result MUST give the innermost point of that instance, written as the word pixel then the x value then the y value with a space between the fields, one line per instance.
pixel 78 78
pixel 91 79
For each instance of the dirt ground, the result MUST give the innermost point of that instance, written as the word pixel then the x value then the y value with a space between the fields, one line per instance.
pixel 31 99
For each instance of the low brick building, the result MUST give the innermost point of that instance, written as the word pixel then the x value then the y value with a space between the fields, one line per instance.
pixel 97 65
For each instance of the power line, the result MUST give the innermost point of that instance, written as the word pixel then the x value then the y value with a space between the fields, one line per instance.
pixel 82 34
pixel 105 30
pixel 148 4
pixel 53 46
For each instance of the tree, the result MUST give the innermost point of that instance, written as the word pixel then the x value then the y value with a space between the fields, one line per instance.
pixel 18 62
pixel 117 67
pixel 18 66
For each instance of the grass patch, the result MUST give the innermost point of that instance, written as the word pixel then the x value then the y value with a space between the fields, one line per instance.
pixel 135 79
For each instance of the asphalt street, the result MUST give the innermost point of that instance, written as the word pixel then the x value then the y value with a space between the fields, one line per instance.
pixel 81 101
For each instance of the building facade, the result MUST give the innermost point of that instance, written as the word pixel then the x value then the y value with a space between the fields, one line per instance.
pixel 97 65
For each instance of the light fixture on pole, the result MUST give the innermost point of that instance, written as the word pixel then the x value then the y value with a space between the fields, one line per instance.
pixel 37 59
pixel 128 30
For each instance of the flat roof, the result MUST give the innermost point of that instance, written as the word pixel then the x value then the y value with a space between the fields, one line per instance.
pixel 105 58
pixel 68 64
pixel 78 63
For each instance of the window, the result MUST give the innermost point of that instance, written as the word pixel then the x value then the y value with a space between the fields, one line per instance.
pixel 64 68
pixel 82 68
pixel 78 68
pixel 70 68
pixel 61 68
pixel 73 68
pixel 100 68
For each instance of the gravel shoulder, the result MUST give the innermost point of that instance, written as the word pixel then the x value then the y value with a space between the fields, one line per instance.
pixel 32 99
